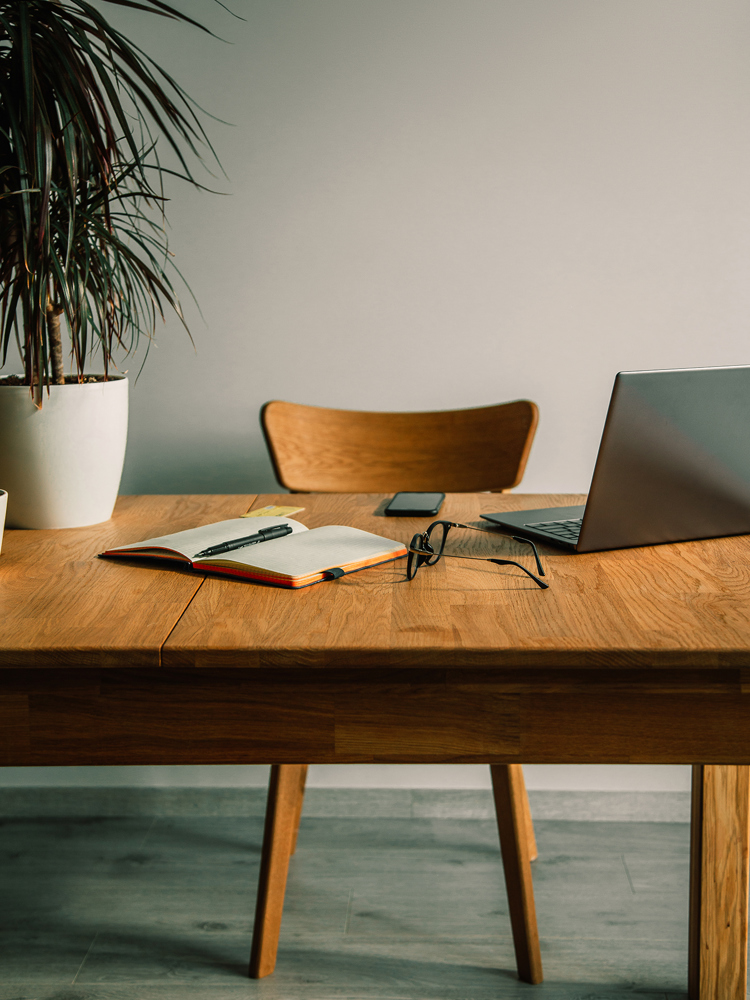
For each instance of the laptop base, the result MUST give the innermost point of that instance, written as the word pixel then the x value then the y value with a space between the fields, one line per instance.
pixel 521 522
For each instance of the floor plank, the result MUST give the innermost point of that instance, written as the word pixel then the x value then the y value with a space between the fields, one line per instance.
pixel 377 909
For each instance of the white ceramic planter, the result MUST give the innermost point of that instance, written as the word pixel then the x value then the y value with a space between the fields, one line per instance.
pixel 61 465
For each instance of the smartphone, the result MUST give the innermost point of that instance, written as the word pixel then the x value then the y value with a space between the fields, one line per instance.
pixel 415 504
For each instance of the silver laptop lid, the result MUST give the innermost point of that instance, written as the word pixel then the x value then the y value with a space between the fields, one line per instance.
pixel 674 460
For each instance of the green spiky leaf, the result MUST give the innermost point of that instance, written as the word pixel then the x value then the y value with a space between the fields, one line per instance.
pixel 81 186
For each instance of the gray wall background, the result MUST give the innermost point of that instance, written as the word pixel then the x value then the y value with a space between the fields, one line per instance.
pixel 446 203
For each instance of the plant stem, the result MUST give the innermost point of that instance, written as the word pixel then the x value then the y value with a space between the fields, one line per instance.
pixel 55 344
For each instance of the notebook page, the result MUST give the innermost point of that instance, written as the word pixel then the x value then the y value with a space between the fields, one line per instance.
pixel 187 543
pixel 335 545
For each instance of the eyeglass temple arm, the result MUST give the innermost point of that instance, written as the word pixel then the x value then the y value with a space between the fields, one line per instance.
pixel 516 538
pixel 528 541
pixel 511 562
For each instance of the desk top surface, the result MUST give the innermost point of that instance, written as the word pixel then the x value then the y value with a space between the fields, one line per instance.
pixel 61 606
pixel 682 605
pixel 669 605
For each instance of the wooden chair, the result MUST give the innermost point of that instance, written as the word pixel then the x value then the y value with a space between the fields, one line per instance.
pixel 345 451
pixel 315 450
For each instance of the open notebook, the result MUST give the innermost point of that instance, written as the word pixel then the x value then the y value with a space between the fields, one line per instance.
pixel 299 559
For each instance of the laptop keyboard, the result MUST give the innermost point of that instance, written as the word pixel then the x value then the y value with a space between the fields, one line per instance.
pixel 567 530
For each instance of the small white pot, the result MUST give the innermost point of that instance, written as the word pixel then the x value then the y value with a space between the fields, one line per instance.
pixel 3 505
pixel 62 464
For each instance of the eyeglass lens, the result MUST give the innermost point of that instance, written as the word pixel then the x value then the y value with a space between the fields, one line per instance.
pixel 430 545
pixel 436 535
pixel 415 559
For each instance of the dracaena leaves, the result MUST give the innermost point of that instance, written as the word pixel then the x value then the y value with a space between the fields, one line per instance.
pixel 82 112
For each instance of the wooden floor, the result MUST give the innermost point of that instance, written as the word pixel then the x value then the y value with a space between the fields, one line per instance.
pixel 161 908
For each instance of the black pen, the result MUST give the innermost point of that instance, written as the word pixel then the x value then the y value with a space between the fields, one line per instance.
pixel 264 535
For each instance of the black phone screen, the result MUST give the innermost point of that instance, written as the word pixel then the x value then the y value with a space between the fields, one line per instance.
pixel 415 504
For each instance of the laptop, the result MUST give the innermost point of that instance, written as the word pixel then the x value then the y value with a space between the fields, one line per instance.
pixel 673 466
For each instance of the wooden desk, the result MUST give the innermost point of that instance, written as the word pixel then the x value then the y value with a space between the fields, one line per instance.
pixel 637 656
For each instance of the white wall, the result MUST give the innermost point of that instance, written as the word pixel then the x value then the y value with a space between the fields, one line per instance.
pixel 446 203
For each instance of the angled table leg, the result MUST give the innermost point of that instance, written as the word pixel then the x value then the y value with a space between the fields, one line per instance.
pixel 285 791
pixel 517 844
pixel 720 836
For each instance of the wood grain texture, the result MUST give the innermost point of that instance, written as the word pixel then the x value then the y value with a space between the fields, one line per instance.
pixel 285 791
pixel 677 606
pixel 60 605
pixel 332 451
pixel 226 715
pixel 509 792
pixel 719 886
pixel 475 721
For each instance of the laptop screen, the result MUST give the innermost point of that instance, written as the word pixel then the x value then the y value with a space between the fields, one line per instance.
pixel 674 460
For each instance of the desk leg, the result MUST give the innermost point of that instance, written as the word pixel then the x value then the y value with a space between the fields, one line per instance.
pixel 720 836
pixel 517 844
pixel 285 790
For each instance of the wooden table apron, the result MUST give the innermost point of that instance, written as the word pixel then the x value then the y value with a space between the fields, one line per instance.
pixel 637 656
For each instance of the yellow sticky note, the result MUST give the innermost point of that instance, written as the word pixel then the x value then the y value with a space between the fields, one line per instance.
pixel 271 511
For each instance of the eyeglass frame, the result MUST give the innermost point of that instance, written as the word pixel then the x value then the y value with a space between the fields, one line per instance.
pixel 419 556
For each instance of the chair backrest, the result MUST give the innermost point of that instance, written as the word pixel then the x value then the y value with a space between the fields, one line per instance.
pixel 316 450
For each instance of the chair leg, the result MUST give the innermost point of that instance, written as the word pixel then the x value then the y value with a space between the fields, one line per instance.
pixel 533 849
pixel 301 799
pixel 516 839
pixel 284 806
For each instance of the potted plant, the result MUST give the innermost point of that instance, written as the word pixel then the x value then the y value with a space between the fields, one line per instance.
pixel 84 264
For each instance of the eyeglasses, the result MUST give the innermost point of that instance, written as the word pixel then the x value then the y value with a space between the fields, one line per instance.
pixel 426 549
